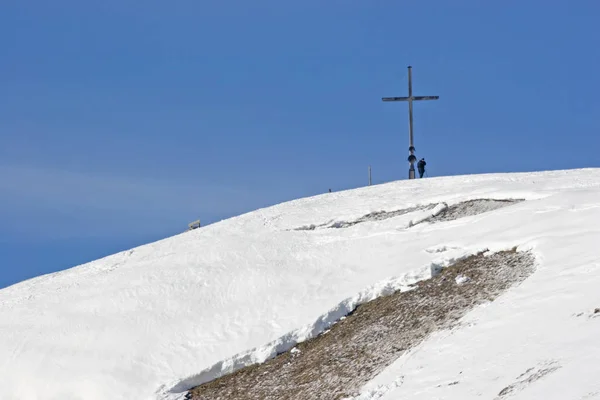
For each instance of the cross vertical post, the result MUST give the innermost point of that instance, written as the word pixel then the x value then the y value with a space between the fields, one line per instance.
pixel 410 111
pixel 411 145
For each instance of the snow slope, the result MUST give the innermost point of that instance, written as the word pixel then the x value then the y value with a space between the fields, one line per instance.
pixel 153 321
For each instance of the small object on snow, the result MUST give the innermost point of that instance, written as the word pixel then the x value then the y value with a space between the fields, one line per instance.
pixel 460 279
pixel 597 311
pixel 194 225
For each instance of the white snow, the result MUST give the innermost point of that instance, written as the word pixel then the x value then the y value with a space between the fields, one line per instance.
pixel 461 279
pixel 438 209
pixel 151 322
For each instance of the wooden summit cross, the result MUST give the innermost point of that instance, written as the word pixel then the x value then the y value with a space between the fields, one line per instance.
pixel 411 148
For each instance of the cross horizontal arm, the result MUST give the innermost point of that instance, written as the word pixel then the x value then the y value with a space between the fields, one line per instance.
pixel 426 97
pixel 395 98
pixel 409 98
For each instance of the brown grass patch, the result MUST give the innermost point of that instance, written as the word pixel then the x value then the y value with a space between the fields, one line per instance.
pixel 338 363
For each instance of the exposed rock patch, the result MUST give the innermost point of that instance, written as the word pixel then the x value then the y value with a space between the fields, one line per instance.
pixel 528 377
pixel 470 208
pixel 439 213
pixel 379 216
pixel 337 363
pixel 373 216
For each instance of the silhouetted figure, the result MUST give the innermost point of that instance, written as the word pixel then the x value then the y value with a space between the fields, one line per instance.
pixel 329 190
pixel 421 167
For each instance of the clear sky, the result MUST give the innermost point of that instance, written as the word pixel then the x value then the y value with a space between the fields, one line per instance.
pixel 122 121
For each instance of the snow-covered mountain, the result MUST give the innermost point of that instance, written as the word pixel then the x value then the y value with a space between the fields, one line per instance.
pixel 160 319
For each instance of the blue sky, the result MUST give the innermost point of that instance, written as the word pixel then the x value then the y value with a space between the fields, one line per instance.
pixel 122 122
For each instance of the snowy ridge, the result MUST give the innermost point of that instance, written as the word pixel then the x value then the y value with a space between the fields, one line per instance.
pixel 291 339
pixel 151 321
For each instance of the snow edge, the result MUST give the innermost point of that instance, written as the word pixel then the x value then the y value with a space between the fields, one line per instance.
pixel 176 389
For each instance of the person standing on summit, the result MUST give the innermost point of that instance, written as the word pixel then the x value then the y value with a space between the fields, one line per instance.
pixel 421 167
